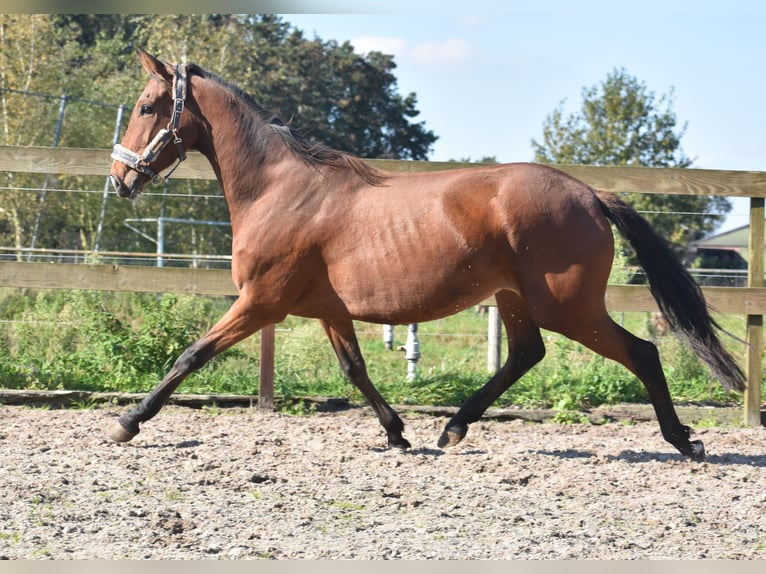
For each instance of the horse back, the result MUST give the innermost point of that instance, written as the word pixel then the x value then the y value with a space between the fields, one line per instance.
pixel 422 246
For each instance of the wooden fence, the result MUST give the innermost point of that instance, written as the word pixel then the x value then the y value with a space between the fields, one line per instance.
pixel 749 301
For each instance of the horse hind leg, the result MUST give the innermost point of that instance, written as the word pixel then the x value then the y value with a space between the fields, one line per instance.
pixel 525 350
pixel 346 346
pixel 641 357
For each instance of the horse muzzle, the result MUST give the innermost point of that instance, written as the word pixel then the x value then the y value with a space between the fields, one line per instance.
pixel 124 190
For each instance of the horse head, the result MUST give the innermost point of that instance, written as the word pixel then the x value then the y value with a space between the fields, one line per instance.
pixel 156 121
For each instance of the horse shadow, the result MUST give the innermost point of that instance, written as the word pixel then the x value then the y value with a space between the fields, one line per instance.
pixel 409 451
pixel 164 445
pixel 642 457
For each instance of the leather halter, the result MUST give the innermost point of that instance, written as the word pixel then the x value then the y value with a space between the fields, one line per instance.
pixel 142 163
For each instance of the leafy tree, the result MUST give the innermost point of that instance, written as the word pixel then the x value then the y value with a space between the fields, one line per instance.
pixel 485 159
pixel 345 100
pixel 32 53
pixel 323 88
pixel 621 122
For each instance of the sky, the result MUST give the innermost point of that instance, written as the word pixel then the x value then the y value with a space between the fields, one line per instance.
pixel 486 79
pixel 487 73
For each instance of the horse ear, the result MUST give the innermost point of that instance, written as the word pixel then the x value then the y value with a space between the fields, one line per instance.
pixel 157 68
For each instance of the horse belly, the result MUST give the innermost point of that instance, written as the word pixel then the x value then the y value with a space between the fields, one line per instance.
pixel 416 259
pixel 410 290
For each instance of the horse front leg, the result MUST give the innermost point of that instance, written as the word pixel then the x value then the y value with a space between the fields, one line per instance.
pixel 239 322
pixel 346 346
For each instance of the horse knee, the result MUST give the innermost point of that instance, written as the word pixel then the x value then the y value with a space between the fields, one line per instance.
pixel 192 359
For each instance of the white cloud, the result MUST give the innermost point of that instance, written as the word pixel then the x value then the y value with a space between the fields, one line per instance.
pixel 386 44
pixel 446 53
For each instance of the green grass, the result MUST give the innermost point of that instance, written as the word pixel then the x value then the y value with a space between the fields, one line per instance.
pixel 96 341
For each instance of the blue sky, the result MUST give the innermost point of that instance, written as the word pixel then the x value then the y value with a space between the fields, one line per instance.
pixel 487 78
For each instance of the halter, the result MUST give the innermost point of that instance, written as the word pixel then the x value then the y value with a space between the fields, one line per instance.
pixel 141 163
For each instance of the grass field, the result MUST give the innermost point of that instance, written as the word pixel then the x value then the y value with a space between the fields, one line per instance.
pixel 126 342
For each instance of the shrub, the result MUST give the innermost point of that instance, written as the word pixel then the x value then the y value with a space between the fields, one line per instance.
pixel 125 342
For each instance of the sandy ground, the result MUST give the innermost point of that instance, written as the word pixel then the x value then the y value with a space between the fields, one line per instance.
pixel 239 483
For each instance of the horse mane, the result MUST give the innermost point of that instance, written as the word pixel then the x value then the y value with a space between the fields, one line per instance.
pixel 313 153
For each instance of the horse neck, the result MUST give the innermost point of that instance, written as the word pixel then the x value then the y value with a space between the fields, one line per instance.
pixel 242 149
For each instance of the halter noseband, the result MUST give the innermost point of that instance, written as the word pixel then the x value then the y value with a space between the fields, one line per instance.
pixel 142 163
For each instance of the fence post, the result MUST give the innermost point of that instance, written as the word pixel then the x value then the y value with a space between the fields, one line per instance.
pixel 108 183
pixel 495 337
pixel 266 385
pixel 46 182
pixel 754 350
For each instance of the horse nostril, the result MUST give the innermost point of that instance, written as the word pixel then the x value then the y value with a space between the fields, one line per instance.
pixel 115 183
pixel 119 188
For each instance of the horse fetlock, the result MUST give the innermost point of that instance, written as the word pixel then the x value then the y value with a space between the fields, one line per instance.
pixel 394 429
pixel 694 449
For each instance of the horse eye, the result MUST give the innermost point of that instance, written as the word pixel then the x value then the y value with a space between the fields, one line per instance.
pixel 146 110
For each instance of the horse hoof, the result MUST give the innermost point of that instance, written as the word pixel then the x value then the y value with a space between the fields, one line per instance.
pixel 698 451
pixel 399 442
pixel 118 433
pixel 449 438
pixel 453 434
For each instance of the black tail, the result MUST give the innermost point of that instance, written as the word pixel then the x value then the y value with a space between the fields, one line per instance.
pixel 679 297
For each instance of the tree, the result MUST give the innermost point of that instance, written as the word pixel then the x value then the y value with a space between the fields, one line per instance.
pixel 33 54
pixel 322 88
pixel 485 159
pixel 621 122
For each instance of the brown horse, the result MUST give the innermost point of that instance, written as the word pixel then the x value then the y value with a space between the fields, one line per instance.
pixel 319 233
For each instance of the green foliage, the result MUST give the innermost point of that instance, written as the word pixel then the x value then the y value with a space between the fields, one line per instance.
pixel 127 342
pixel 306 363
pixel 687 377
pixel 572 377
pixel 323 88
pixel 296 407
pixel 98 341
pixel 622 272
pixel 566 416
pixel 621 122
pixel 486 159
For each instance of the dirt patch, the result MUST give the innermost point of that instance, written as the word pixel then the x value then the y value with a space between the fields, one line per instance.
pixel 239 483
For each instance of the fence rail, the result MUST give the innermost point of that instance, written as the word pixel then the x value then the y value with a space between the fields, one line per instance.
pixel 679 181
pixel 749 301
pixel 187 280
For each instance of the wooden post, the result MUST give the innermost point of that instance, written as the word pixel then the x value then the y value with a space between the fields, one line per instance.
pixel 494 339
pixel 754 335
pixel 266 388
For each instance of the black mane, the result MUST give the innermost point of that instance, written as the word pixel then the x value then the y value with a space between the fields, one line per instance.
pixel 311 152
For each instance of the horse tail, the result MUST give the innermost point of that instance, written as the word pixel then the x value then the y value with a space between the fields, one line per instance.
pixel 678 296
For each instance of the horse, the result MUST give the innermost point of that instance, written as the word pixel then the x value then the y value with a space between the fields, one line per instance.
pixel 319 233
